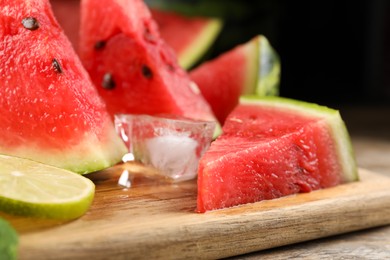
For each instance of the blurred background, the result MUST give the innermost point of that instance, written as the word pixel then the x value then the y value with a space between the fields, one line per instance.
pixel 332 51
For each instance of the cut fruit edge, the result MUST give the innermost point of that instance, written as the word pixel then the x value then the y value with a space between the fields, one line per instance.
pixel 264 76
pixel 177 94
pixel 71 201
pixel 193 52
pixel 333 118
pixel 94 152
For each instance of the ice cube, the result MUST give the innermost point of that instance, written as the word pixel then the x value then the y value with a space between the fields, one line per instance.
pixel 172 145
pixel 175 155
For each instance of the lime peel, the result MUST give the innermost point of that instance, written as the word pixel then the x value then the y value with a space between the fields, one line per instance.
pixel 8 241
pixel 33 189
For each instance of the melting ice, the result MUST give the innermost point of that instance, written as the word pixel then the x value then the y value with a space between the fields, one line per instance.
pixel 173 146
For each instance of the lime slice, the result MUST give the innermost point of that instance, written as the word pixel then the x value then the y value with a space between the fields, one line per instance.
pixel 8 241
pixel 34 189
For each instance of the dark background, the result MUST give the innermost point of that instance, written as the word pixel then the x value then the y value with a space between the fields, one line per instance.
pixel 332 51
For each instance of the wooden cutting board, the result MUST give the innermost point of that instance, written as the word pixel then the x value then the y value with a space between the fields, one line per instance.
pixel 149 221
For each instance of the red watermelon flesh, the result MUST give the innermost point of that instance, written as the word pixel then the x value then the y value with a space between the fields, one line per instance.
pixel 67 13
pixel 134 70
pixel 51 112
pixel 190 37
pixel 196 33
pixel 249 68
pixel 222 80
pixel 268 151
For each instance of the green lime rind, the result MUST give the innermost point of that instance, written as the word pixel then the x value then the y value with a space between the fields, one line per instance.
pixel 333 118
pixel 9 241
pixel 29 188
pixel 60 211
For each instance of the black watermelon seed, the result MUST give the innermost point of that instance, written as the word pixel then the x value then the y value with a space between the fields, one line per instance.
pixel 147 72
pixel 56 65
pixel 100 45
pixel 108 81
pixel 30 23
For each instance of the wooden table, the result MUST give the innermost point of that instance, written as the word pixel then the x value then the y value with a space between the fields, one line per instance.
pixel 370 131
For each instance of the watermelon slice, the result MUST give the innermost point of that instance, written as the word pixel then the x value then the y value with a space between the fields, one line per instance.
pixel 190 37
pixel 197 33
pixel 132 67
pixel 250 68
pixel 51 112
pixel 273 147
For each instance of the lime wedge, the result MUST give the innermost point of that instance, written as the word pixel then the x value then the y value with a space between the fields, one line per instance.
pixel 34 189
pixel 8 241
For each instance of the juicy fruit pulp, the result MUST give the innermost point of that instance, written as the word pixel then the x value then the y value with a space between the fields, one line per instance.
pixel 190 37
pixel 33 189
pixel 197 34
pixel 273 147
pixel 133 69
pixel 51 112
pixel 248 69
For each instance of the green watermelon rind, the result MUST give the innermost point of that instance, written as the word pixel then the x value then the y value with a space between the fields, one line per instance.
pixel 90 155
pixel 333 118
pixel 260 80
pixel 251 50
pixel 192 53
pixel 269 78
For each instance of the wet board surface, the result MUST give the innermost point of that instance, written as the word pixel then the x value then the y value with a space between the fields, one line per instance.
pixel 151 221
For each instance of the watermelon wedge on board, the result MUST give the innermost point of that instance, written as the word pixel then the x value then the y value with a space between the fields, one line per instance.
pixel 134 70
pixel 273 147
pixel 51 112
pixel 189 36
pixel 248 69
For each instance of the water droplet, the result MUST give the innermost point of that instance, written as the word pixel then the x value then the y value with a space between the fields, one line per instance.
pixel 129 157
pixel 124 179
pixel 194 87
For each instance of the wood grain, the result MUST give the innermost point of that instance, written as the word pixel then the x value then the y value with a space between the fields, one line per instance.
pixel 369 244
pixel 153 220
